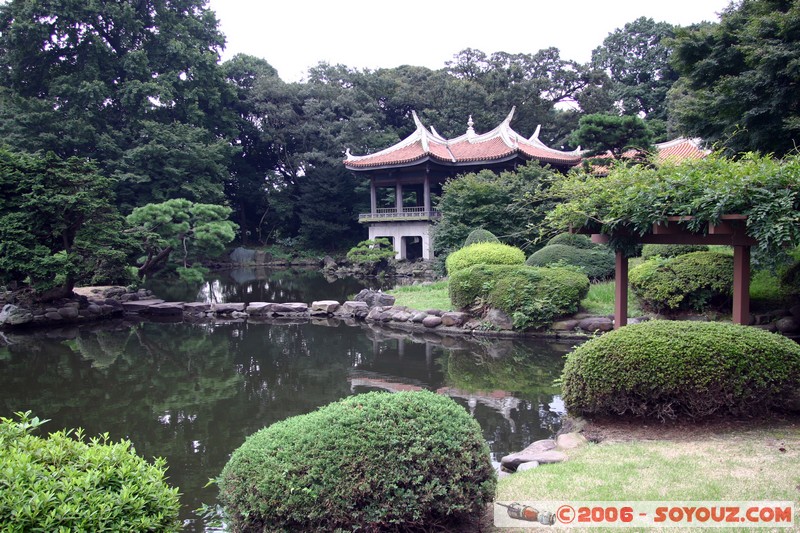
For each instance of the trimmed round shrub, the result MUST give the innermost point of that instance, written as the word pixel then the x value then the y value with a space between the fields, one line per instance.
pixel 573 239
pixel 670 250
pixel 484 253
pixel 531 296
pixel 64 483
pixel 679 369
pixel 597 263
pixel 374 461
pixel 480 235
pixel 698 281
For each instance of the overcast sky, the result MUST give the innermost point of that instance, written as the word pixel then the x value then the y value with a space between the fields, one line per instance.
pixel 293 35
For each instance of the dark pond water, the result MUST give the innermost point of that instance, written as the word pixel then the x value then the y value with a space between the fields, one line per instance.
pixel 191 393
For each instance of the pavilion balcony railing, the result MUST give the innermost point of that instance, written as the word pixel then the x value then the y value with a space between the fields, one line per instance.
pixel 389 214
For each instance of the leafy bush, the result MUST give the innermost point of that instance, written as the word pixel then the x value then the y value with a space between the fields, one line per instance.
pixel 670 250
pixel 597 263
pixel 573 239
pixel 677 369
pixel 480 235
pixel 790 279
pixel 64 483
pixel 531 296
pixel 374 461
pixel 697 280
pixel 488 253
pixel 371 251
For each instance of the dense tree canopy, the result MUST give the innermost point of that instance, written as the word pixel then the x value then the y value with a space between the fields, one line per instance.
pixel 740 77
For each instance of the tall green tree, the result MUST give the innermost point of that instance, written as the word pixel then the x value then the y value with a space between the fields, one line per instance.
pixel 636 58
pixel 58 224
pixel 601 134
pixel 740 79
pixel 118 82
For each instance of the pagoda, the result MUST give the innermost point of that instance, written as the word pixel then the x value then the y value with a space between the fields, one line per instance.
pixel 404 178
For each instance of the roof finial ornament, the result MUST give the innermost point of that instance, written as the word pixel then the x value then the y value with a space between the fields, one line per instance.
pixel 470 129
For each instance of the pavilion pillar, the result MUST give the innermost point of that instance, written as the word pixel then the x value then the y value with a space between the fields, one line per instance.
pixel 621 290
pixel 398 198
pixel 741 285
pixel 373 197
pixel 427 193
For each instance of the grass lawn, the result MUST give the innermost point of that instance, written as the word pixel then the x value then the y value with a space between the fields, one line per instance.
pixel 600 300
pixel 422 297
pixel 738 464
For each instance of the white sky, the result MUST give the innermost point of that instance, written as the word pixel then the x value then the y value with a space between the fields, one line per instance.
pixel 293 35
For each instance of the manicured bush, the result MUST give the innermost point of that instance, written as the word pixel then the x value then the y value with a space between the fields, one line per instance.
pixel 573 239
pixel 679 369
pixel 531 296
pixel 480 235
pixel 697 280
pixel 62 483
pixel 371 251
pixel 597 263
pixel 374 462
pixel 487 253
pixel 670 250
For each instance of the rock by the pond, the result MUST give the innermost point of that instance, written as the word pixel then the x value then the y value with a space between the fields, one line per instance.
pixel 324 307
pixel 569 441
pixel 166 309
pixel 564 325
pixel 375 313
pixel 530 465
pixel 354 309
pixel 432 321
pixel 374 298
pixel 795 311
pixel 596 324
pixel 139 305
pixel 289 308
pixel 53 316
pixel 13 315
pixel 454 318
pixel 499 319
pixel 434 312
pixel 788 324
pixel 542 457
pixel 418 317
pixel 195 308
pixel 402 316
pixel 69 313
pixel 227 308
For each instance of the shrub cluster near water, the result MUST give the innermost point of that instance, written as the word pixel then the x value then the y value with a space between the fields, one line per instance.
pixel 680 369
pixel 374 461
pixel 693 281
pixel 531 296
pixel 62 483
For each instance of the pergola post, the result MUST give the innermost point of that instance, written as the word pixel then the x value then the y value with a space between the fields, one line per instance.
pixel 741 285
pixel 621 290
pixel 398 197
pixel 373 197
pixel 427 193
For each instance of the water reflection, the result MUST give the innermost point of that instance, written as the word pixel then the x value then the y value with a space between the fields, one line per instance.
pixel 265 285
pixel 191 393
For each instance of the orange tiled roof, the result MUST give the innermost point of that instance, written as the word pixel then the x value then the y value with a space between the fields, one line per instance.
pixel 501 143
pixel 680 149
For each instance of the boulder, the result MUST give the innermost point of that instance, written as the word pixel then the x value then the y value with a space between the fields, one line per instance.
pixel 513 461
pixel 94 309
pixel 68 312
pixel 418 316
pixel 564 325
pixel 795 311
pixel 454 319
pixel 401 316
pixel 434 312
pixel 328 262
pixel 375 313
pixel 530 465
pixel 139 305
pixel 324 307
pixel 598 323
pixel 228 308
pixel 354 309
pixel 166 309
pixel 374 298
pixel 196 308
pixel 53 316
pixel 243 255
pixel 569 441
pixel 258 308
pixel 291 308
pixel 499 320
pixel 12 315
pixel 788 324
pixel 432 321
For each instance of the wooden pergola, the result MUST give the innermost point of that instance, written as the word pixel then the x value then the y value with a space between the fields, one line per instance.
pixel 730 231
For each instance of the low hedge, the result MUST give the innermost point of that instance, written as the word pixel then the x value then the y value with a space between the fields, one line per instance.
pixel 489 253
pixel 62 483
pixel 670 250
pixel 374 462
pixel 531 296
pixel 597 263
pixel 480 235
pixel 697 280
pixel 680 369
pixel 573 239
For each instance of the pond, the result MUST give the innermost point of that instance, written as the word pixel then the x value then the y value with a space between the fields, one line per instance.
pixel 191 393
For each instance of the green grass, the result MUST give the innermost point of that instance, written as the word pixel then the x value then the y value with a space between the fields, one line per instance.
pixel 737 465
pixel 424 296
pixel 600 300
